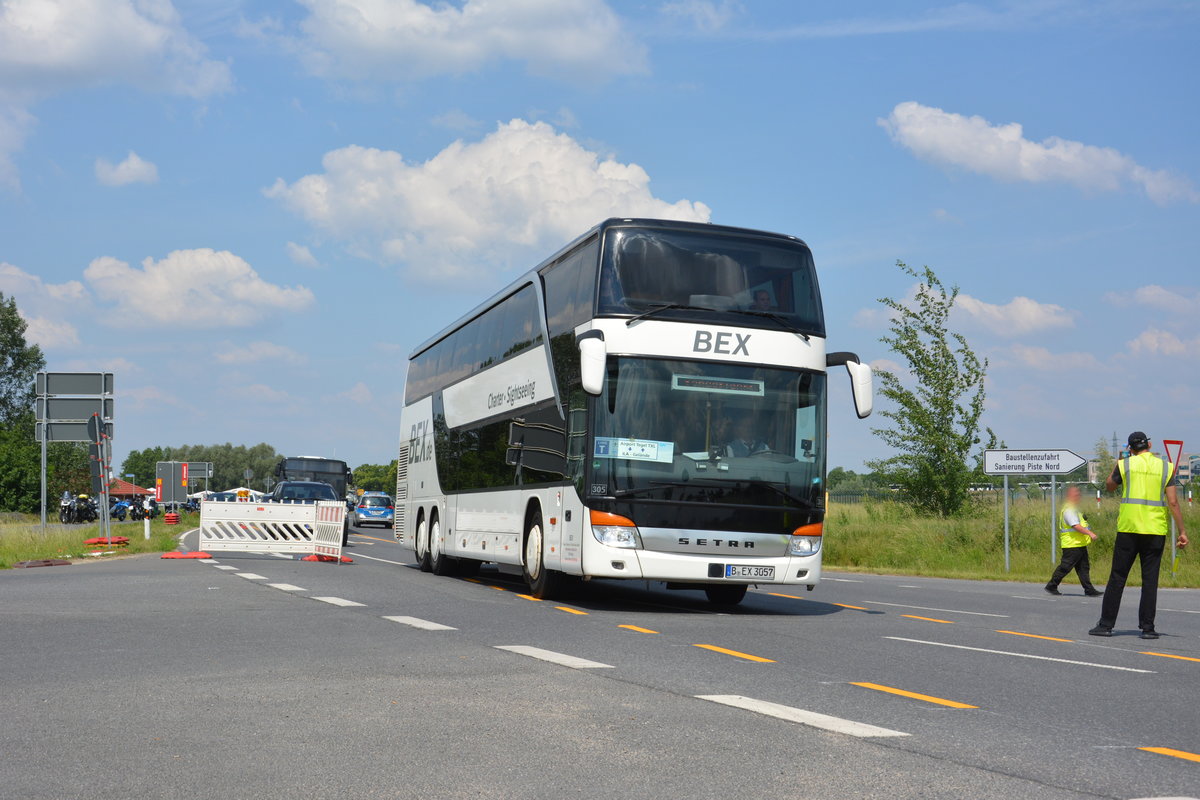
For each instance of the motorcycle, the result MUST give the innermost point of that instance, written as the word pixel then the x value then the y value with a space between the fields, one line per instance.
pixel 119 510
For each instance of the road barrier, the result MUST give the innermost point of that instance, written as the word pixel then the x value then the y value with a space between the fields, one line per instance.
pixel 314 528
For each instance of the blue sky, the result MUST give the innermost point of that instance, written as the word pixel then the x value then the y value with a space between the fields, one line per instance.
pixel 251 211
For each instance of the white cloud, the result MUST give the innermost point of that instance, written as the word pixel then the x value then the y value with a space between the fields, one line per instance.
pixel 258 351
pixel 145 398
pixel 403 40
pixel 50 334
pixel 359 394
pixel 457 120
pixel 48 46
pixel 134 169
pixel 1002 152
pixel 300 254
pixel 1018 316
pixel 1183 301
pixel 705 16
pixel 261 393
pixel 1156 342
pixel 519 192
pixel 1040 358
pixel 200 288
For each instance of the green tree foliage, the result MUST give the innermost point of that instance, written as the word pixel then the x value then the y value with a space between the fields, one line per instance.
pixel 19 453
pixel 936 419
pixel 229 461
pixel 376 477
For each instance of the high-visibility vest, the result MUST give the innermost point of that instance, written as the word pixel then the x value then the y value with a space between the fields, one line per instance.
pixel 1067 535
pixel 1144 480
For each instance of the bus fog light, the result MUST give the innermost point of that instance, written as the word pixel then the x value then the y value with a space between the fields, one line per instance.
pixel 617 536
pixel 804 545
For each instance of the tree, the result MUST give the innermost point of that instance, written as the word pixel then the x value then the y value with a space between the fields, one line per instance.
pixel 19 363
pixel 1104 460
pixel 376 477
pixel 937 420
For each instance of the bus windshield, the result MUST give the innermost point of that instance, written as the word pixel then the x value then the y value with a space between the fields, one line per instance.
pixel 710 432
pixel 745 276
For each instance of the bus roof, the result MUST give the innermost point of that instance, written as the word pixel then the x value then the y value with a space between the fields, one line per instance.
pixel 611 222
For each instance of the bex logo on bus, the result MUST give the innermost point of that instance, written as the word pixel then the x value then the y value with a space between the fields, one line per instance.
pixel 725 343
pixel 420 448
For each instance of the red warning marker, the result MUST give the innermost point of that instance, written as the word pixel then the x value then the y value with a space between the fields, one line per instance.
pixel 177 554
pixel 329 559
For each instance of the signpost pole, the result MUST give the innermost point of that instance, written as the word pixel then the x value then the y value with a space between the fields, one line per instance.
pixel 1007 564
pixel 43 479
pixel 1053 520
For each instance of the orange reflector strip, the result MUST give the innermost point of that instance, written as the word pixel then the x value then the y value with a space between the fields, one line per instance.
pixel 605 518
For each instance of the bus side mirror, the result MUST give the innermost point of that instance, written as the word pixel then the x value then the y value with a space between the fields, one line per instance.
pixel 861 381
pixel 592 361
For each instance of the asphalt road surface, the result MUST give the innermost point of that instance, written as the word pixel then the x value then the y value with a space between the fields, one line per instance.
pixel 259 676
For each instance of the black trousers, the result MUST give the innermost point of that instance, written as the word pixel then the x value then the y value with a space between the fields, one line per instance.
pixel 1073 558
pixel 1148 548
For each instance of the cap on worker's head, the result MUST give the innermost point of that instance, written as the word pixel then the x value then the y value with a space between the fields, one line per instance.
pixel 1138 440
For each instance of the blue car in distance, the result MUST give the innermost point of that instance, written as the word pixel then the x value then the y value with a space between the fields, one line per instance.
pixel 375 508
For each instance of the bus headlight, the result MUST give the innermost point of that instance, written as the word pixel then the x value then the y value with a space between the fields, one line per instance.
pixel 806 540
pixel 615 530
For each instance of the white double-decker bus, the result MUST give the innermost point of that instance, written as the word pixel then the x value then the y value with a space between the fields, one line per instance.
pixel 647 404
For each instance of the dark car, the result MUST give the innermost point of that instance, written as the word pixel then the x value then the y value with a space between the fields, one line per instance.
pixel 307 492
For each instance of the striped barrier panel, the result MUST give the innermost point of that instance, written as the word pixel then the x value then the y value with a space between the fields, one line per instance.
pixel 271 527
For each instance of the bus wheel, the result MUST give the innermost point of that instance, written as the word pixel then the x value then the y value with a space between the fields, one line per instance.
pixel 439 562
pixel 542 582
pixel 726 594
pixel 421 545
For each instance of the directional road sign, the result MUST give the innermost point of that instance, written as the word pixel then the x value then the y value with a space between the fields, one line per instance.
pixel 1031 462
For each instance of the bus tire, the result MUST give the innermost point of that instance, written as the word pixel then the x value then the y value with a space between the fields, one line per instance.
pixel 421 545
pixel 726 594
pixel 543 583
pixel 439 562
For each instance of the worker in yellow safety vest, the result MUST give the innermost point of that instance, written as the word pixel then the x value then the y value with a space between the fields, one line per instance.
pixel 1148 488
pixel 1074 536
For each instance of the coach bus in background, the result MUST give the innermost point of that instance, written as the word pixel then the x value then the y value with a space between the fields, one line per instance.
pixel 648 404
pixel 313 468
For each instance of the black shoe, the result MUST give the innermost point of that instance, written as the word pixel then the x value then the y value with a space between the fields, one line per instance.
pixel 1150 634
pixel 1101 630
pixel 1093 592
pixel 1053 590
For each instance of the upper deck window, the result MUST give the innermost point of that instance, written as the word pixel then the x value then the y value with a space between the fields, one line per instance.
pixel 743 276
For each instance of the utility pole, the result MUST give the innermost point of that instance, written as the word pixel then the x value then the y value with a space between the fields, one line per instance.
pixel 1116 452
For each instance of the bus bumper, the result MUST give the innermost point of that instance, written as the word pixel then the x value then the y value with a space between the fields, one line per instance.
pixel 651 565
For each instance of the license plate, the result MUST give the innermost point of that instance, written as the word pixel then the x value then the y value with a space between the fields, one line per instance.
pixel 743 571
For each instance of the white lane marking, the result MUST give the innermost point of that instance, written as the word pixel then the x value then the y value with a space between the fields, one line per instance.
pixel 225 566
pixel 1179 610
pixel 287 587
pixel 423 624
pixel 384 560
pixel 799 715
pixel 562 659
pixel 927 608
pixel 252 576
pixel 1023 655
pixel 841 580
pixel 902 586
pixel 207 560
pixel 339 601
pixel 285 556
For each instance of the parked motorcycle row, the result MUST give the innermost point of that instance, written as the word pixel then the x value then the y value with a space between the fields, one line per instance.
pixel 73 509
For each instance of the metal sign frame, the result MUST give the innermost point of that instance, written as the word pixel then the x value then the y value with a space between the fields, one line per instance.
pixel 85 402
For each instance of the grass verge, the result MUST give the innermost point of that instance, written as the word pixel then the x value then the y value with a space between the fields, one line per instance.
pixel 887 537
pixel 22 539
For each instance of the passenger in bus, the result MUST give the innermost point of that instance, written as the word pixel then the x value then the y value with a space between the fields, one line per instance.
pixel 745 442
pixel 762 301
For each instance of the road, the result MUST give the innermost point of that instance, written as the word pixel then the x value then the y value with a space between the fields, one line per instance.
pixel 269 677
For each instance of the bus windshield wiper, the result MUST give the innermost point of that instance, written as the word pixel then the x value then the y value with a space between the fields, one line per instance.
pixel 664 307
pixel 772 316
pixel 657 485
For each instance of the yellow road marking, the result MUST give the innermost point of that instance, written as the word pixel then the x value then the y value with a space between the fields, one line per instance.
pixel 1168 655
pixel 376 538
pixel 530 597
pixel 1166 751
pixel 928 619
pixel 927 698
pixel 473 580
pixel 636 628
pixel 1035 636
pixel 856 608
pixel 788 596
pixel 572 610
pixel 497 588
pixel 735 653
